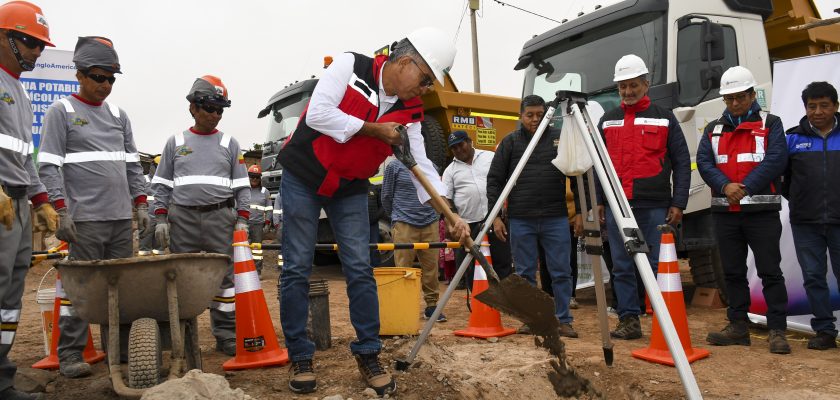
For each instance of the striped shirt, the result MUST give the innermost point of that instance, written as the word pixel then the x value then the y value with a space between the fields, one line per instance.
pixel 399 198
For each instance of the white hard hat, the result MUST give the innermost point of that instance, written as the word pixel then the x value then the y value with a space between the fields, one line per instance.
pixel 436 48
pixel 629 67
pixel 736 79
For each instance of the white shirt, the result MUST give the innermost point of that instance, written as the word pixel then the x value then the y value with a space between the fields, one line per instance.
pixel 466 185
pixel 324 116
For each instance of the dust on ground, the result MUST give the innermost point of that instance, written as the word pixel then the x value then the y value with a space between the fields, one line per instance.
pixel 452 367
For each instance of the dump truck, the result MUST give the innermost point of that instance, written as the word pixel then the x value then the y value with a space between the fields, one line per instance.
pixel 687 45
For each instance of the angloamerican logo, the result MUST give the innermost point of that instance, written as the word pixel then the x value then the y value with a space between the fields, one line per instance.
pixel 806 145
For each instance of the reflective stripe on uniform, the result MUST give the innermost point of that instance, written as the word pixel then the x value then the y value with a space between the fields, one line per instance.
pixel 14 144
pixel 225 142
pixel 202 180
pixel 67 106
pixel 165 182
pixel 239 183
pixel 49 158
pixel 757 199
pixel 224 304
pixel 362 88
pixel 10 315
pixel 7 336
pixel 88 156
pixel 751 157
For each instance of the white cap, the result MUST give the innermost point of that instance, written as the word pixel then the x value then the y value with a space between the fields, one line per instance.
pixel 736 79
pixel 629 67
pixel 436 48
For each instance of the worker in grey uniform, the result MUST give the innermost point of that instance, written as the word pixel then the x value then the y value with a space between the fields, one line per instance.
pixel 261 206
pixel 202 191
pixel 91 168
pixel 22 39
pixel 147 243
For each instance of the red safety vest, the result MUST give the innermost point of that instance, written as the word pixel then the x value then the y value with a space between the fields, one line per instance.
pixel 335 168
pixel 737 153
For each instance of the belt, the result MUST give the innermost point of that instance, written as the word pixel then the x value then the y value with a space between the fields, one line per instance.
pixel 15 192
pixel 210 207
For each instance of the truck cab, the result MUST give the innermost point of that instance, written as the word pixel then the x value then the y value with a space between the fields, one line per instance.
pixel 686 45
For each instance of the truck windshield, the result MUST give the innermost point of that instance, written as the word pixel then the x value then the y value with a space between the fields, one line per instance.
pixel 585 62
pixel 286 114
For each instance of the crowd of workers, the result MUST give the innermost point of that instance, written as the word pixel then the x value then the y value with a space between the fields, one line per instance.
pixel 200 191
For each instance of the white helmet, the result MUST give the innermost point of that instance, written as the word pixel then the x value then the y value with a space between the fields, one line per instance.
pixel 736 79
pixel 436 48
pixel 629 67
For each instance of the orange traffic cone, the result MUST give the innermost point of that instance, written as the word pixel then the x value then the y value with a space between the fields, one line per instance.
pixel 256 342
pixel 485 321
pixel 61 306
pixel 671 287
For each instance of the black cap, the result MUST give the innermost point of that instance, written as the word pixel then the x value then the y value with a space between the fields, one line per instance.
pixel 458 137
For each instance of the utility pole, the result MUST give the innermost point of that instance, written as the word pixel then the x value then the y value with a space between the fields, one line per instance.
pixel 474 4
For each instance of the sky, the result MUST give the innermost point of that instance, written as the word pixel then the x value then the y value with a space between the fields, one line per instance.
pixel 258 47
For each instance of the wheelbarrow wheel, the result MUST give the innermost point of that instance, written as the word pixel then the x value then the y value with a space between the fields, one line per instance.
pixel 144 354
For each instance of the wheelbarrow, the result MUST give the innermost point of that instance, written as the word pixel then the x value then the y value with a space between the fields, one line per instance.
pixel 154 290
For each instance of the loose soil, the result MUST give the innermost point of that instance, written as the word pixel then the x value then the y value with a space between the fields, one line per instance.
pixel 513 367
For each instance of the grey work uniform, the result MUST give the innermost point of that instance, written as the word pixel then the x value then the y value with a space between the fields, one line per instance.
pixel 20 180
pixel 89 161
pixel 196 182
pixel 260 207
pixel 147 243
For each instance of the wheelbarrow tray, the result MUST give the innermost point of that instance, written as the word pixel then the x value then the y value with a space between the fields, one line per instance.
pixel 141 284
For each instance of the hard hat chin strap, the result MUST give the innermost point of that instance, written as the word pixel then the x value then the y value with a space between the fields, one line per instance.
pixel 25 65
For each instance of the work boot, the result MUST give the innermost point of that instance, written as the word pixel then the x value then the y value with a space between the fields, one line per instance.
pixel 734 333
pixel 227 346
pixel 566 330
pixel 302 377
pixel 374 375
pixel 74 366
pixel 524 330
pixel 778 342
pixel 427 313
pixel 628 328
pixel 12 394
pixel 573 304
pixel 823 341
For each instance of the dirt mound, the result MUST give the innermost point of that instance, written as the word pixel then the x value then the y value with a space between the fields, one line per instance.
pixel 195 385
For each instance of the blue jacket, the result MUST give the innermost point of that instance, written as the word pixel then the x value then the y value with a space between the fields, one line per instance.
pixel 812 173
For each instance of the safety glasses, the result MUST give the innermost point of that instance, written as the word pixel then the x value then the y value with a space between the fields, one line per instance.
pixel 427 80
pixel 100 78
pixel 212 109
pixel 27 40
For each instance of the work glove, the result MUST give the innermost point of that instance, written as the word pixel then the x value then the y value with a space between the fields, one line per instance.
pixel 46 219
pixel 162 231
pixel 143 222
pixel 7 210
pixel 241 224
pixel 66 228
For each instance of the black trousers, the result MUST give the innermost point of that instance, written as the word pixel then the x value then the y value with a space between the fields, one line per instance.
pixel 760 231
pixel 499 250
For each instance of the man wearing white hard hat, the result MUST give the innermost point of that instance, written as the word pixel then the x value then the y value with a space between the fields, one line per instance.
pixel 648 150
pixel 741 156
pixel 344 135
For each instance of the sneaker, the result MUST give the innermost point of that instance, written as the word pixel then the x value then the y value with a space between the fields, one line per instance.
pixel 12 394
pixel 612 311
pixel 74 366
pixel 573 304
pixel 227 346
pixel 374 375
pixel 778 342
pixel 430 310
pixel 566 330
pixel 734 333
pixel 302 377
pixel 524 330
pixel 628 328
pixel 823 341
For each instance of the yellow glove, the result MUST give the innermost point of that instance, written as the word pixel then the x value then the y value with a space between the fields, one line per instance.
pixel 7 210
pixel 46 219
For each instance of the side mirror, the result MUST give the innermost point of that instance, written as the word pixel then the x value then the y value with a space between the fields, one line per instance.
pixel 710 77
pixel 713 44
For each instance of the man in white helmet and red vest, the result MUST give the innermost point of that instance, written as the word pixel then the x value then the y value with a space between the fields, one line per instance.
pixel 343 136
pixel 202 195
pixel 648 150
pixel 741 156
pixel 90 165
pixel 261 208
pixel 24 33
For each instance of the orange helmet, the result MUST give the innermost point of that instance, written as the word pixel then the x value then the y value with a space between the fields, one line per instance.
pixel 255 169
pixel 210 89
pixel 25 18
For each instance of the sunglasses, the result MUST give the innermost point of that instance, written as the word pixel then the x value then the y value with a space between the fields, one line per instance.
pixel 427 80
pixel 27 40
pixel 100 78
pixel 252 176
pixel 740 98
pixel 212 109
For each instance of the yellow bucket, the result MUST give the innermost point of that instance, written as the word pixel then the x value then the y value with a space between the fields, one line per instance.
pixel 399 300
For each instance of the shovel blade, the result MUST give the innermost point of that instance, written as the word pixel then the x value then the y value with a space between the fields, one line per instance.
pixel 516 297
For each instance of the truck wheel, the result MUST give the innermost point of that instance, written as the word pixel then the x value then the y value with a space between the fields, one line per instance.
pixel 144 355
pixel 435 141
pixel 707 271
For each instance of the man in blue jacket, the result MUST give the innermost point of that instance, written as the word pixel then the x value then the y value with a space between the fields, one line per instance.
pixel 741 156
pixel 813 166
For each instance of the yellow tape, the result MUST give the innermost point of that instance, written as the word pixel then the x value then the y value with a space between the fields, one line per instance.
pixel 500 116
